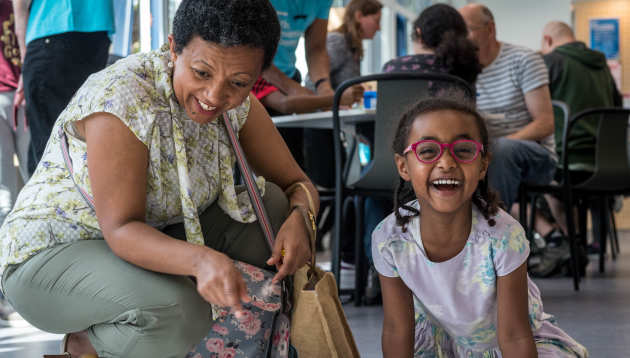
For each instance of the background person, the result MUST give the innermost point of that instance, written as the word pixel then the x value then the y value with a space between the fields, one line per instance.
pixel 61 43
pixel 440 44
pixel 14 136
pixel 308 18
pixel 150 127
pixel 513 96
pixel 579 77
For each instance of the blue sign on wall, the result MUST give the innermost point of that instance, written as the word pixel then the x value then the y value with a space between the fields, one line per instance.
pixel 605 37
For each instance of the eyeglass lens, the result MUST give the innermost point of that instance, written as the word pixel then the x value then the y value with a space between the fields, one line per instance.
pixel 463 151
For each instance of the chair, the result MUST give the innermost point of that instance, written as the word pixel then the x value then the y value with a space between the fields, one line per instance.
pixel 610 177
pixel 396 92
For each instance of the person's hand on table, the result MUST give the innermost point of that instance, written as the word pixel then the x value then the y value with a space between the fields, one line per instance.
pixel 292 248
pixel 219 282
pixel 352 95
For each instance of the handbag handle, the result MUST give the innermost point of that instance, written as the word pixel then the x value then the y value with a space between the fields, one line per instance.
pixel 250 182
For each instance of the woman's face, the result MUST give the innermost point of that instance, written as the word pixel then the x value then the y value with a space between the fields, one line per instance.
pixel 370 24
pixel 209 79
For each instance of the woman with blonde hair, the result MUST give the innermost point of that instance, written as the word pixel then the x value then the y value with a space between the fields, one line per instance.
pixel 361 21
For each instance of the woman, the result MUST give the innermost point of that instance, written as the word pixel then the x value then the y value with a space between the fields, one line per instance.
pixel 150 128
pixel 361 21
pixel 440 44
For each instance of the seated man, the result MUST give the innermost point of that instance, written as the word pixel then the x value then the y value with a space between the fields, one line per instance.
pixel 579 77
pixel 513 95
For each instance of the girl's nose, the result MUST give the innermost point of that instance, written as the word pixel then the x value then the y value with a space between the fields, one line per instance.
pixel 446 161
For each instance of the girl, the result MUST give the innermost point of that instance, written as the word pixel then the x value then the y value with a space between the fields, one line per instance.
pixel 451 258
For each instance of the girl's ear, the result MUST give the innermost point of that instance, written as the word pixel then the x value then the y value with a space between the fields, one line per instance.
pixel 401 165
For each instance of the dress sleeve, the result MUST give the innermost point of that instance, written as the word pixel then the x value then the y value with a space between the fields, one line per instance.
pixel 381 251
pixel 510 246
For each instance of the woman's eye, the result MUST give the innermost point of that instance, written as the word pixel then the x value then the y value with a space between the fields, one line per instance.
pixel 239 84
pixel 201 74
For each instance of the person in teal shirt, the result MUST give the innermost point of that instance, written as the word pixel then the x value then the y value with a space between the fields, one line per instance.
pixel 61 44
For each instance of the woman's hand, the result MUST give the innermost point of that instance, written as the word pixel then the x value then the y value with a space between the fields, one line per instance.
pixel 292 240
pixel 352 95
pixel 219 282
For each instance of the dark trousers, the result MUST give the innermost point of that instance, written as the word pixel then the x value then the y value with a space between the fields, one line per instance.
pixel 54 69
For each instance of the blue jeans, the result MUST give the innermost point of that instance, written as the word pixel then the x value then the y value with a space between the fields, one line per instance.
pixel 516 161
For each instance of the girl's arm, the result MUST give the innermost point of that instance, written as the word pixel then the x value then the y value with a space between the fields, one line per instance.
pixel 514 332
pixel 398 323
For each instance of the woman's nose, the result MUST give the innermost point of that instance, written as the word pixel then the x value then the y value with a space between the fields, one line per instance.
pixel 215 93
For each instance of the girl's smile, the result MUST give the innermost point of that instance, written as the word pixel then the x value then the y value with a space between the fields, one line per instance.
pixel 445 185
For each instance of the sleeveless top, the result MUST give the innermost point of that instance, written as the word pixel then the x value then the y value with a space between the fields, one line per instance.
pixel 190 164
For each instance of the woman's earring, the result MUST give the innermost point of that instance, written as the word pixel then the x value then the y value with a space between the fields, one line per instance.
pixel 170 64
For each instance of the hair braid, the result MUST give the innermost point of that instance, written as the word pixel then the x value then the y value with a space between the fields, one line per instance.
pixel 487 200
pixel 402 195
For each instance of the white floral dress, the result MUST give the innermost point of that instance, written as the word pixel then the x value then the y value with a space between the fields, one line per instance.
pixel 190 164
pixel 455 301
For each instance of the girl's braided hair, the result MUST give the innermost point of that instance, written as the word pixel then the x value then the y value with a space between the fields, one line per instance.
pixel 484 197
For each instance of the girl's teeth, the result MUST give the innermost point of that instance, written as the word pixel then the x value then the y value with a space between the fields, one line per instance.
pixel 446 182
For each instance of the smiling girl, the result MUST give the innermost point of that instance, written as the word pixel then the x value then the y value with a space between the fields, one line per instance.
pixel 452 265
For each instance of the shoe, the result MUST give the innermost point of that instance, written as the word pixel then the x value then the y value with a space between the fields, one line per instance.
pixel 552 261
pixel 373 288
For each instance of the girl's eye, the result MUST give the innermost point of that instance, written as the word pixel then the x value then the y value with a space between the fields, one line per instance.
pixel 239 84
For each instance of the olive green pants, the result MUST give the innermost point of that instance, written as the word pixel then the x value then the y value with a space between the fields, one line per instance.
pixel 129 311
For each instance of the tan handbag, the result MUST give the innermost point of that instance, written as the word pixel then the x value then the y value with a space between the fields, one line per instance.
pixel 319 327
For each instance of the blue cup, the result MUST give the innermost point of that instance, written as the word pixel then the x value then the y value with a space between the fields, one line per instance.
pixel 369 99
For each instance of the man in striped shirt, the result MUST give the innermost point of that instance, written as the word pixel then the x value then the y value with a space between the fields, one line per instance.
pixel 513 95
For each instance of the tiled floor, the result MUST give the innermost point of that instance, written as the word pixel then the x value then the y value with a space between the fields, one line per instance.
pixel 598 316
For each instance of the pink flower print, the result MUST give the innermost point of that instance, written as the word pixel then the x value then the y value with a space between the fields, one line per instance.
pixel 430 61
pixel 415 67
pixel 220 329
pixel 405 59
pixel 228 353
pixel 249 323
pixel 267 334
pixel 215 345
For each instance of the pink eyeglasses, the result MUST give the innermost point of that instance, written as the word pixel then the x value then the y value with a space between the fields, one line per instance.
pixel 430 151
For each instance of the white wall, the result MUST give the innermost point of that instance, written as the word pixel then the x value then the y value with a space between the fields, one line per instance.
pixel 521 21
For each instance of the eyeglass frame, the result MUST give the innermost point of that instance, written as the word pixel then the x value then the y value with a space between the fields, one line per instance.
pixel 413 146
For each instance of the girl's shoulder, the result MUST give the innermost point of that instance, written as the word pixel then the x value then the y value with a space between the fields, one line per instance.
pixel 506 235
pixel 389 228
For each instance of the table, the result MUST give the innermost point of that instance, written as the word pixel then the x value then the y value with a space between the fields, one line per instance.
pixel 323 119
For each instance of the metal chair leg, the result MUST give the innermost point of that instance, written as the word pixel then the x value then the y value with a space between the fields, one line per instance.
pixel 568 200
pixel 359 260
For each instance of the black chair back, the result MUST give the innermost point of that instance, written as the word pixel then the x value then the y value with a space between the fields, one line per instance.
pixel 612 168
pixel 397 92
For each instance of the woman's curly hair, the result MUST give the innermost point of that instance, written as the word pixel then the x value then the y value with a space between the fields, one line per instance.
pixel 484 197
pixel 250 23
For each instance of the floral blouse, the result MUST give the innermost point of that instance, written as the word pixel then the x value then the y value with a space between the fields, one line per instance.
pixel 190 164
